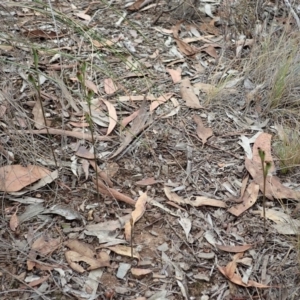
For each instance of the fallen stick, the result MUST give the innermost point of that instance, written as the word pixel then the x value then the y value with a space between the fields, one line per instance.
pixel 113 193
pixel 78 135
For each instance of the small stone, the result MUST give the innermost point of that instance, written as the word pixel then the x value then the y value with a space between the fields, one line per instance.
pixel 122 270
pixel 209 255
pixel 163 247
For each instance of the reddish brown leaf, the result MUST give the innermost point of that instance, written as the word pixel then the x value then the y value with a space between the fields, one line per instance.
pixel 105 43
pixel 81 248
pixel 124 250
pixel 175 74
pixel 160 100
pixel 113 118
pixel 200 201
pixel 274 188
pixel 210 28
pixel 91 86
pixel 84 153
pixel 130 118
pixel 140 207
pixel 45 245
pixel 14 221
pixel 203 132
pixel 210 50
pixel 248 200
pixel 140 273
pixel 109 86
pixel 235 249
pixel 73 258
pixel 173 196
pixel 83 16
pixel 136 5
pixel 188 95
pixel 235 278
pixel 146 181
pixel 263 141
pixel 231 266
pixel 16 177
pixel 185 48
pixel 38 33
pixel 38 281
pixel 37 112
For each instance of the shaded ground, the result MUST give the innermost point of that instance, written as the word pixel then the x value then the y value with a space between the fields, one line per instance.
pixel 182 265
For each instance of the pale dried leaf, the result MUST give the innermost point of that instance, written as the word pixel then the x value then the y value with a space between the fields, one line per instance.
pixel 109 86
pixel 15 177
pixel 113 118
pixel 91 86
pixel 173 196
pixel 146 181
pixel 140 208
pixel 38 281
pixel 111 226
pixel 186 224
pixel 203 132
pixel 248 200
pixel 245 143
pixel 263 141
pixel 85 166
pixel 83 16
pixel 44 181
pixel 285 224
pixel 84 153
pixel 188 95
pixel 140 273
pixel 211 50
pixel 160 100
pixel 125 251
pixel 45 245
pixel 237 279
pixel 204 87
pixel 73 258
pixel 92 282
pixel 201 200
pixel 175 74
pixel 38 116
pixel 81 248
pixel 64 211
pixel 14 221
pixel 130 118
pixel 274 188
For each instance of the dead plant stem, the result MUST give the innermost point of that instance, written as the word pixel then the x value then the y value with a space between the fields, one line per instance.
pixel 38 89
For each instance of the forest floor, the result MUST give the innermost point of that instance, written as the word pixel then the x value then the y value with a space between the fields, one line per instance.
pixel 140 147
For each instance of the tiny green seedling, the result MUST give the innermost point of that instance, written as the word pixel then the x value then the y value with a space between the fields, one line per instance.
pixel 266 165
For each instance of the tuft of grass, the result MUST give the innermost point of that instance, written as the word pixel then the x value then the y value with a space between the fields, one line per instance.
pixel 287 148
pixel 275 63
